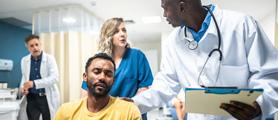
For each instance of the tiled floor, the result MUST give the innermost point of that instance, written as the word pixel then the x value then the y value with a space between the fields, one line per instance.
pixel 159 114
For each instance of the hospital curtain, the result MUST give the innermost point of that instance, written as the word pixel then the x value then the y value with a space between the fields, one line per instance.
pixel 69 33
pixel 71 50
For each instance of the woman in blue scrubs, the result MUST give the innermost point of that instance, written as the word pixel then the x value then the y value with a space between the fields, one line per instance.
pixel 133 74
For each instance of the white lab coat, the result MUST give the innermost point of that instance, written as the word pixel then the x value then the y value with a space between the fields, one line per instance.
pixel 49 81
pixel 249 61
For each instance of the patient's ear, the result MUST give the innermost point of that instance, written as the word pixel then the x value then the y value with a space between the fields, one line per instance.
pixel 84 76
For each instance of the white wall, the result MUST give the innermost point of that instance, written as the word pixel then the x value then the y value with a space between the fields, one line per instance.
pixel 152 51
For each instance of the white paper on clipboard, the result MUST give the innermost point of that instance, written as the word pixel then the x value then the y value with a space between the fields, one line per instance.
pixel 208 100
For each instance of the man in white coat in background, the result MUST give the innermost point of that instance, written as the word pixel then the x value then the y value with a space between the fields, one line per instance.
pixel 241 55
pixel 39 81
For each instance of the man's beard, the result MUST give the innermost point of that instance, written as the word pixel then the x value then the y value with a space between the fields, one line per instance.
pixel 99 94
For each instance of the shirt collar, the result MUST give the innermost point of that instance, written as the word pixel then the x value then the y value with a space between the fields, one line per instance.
pixel 39 57
pixel 199 34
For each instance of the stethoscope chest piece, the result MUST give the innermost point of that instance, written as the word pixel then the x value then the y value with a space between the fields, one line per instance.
pixel 192 45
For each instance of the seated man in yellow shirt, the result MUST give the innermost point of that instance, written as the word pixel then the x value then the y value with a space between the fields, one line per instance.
pixel 99 75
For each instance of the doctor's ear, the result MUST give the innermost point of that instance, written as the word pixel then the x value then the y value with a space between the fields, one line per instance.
pixel 181 6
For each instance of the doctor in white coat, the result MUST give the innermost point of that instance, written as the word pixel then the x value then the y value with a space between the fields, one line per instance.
pixel 48 80
pixel 241 56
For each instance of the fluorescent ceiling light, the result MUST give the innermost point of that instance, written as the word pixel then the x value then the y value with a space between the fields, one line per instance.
pixel 152 19
pixel 69 20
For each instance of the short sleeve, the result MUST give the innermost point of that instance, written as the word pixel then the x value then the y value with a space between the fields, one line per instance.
pixel 145 73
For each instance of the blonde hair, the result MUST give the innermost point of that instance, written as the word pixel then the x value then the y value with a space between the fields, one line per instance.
pixel 108 29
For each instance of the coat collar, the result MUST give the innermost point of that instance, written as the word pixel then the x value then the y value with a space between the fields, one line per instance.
pixel 43 57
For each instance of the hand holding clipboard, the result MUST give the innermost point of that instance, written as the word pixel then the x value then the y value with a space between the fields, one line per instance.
pixel 241 110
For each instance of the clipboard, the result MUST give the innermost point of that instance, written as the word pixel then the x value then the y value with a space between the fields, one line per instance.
pixel 208 100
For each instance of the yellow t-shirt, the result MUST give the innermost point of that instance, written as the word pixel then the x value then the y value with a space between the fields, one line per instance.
pixel 116 109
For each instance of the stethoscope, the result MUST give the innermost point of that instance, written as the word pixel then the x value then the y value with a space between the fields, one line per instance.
pixel 192 45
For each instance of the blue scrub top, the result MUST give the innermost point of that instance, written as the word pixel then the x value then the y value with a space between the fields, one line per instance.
pixel 133 73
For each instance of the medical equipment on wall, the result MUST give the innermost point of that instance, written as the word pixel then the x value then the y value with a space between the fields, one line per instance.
pixel 3 85
pixel 192 45
pixel 6 64
pixel 8 94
